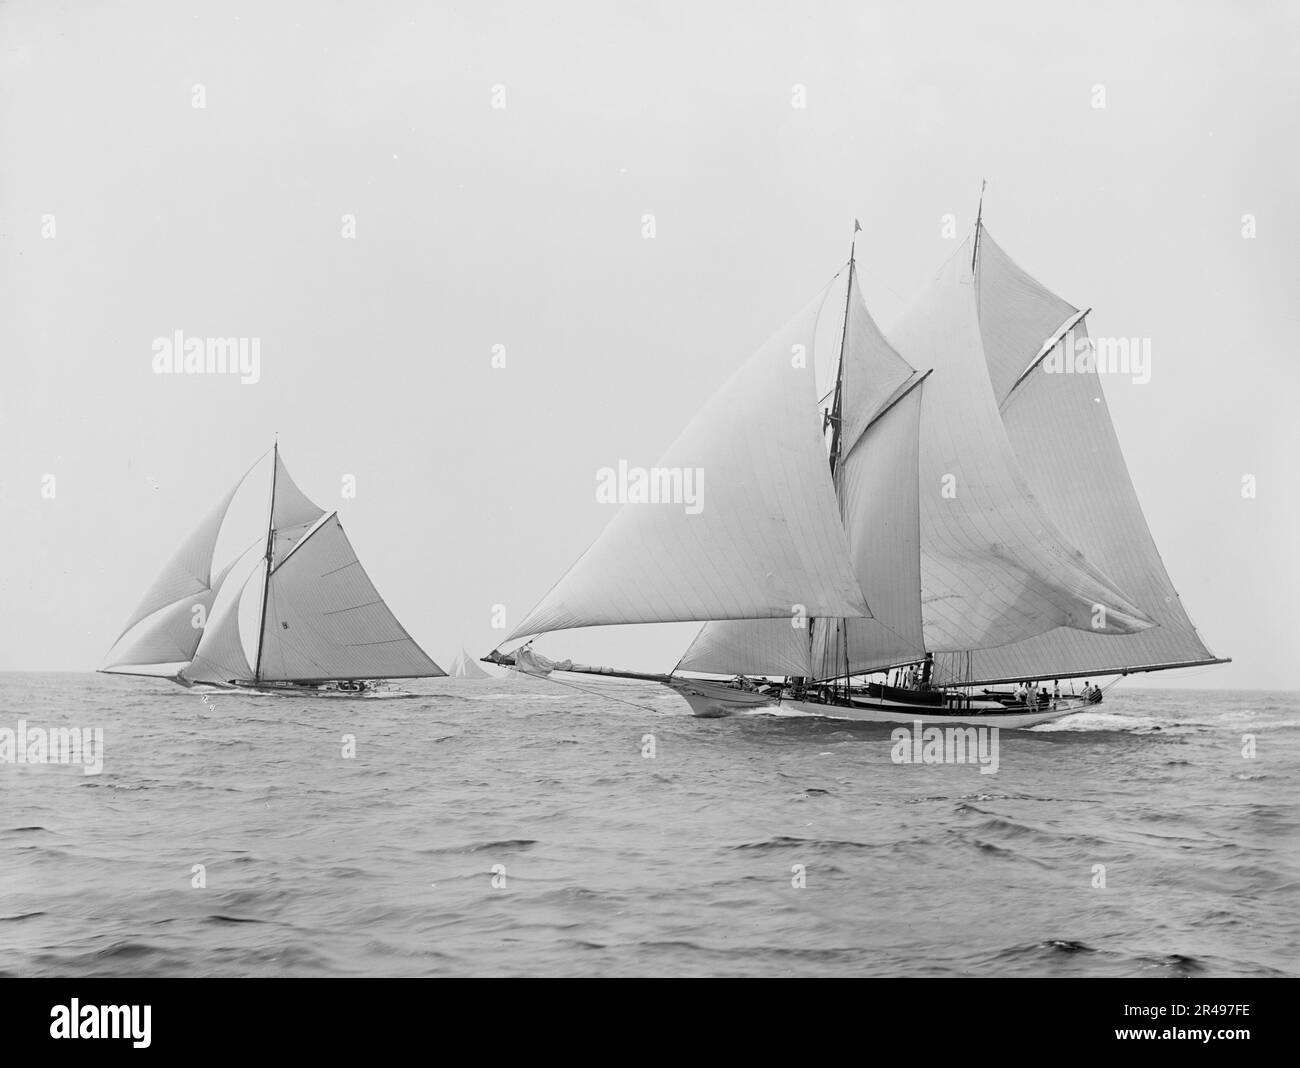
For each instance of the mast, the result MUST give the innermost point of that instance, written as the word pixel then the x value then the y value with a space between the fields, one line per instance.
pixel 979 214
pixel 837 437
pixel 270 553
pixel 838 403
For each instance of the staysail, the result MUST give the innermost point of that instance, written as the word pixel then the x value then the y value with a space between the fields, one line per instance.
pixel 220 658
pixel 1063 438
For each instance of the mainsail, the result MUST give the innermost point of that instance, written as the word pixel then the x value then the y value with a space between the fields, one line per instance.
pixel 318 618
pixel 325 620
pixel 994 567
pixel 1061 431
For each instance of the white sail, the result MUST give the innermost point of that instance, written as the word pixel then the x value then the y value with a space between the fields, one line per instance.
pixel 880 498
pixel 293 514
pixel 767 541
pixel 994 567
pixel 1016 315
pixel 1063 437
pixel 468 668
pixel 189 571
pixel 880 396
pixel 168 638
pixel 324 619
pixel 220 658
pixel 751 647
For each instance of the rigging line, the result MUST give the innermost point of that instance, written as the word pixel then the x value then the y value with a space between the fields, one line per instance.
pixel 880 281
pixel 598 693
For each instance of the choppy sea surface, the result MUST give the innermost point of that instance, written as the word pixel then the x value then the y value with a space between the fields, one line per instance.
pixel 516 827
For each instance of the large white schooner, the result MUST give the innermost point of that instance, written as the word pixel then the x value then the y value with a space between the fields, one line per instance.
pixel 946 507
pixel 314 621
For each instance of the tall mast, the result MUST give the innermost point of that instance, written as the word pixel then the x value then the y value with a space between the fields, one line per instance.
pixel 837 437
pixel 838 403
pixel 270 553
pixel 978 216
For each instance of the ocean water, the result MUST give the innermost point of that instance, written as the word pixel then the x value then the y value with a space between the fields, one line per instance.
pixel 514 827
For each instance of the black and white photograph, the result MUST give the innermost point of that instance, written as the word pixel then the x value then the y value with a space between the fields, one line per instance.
pixel 790 489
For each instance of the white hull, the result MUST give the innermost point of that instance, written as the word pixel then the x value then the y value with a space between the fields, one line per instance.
pixel 898 712
pixel 711 700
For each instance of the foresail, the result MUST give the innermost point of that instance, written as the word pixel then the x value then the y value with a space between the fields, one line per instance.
pixel 879 495
pixel 750 647
pixel 765 540
pixel 994 567
pixel 878 499
pixel 1061 431
pixel 324 618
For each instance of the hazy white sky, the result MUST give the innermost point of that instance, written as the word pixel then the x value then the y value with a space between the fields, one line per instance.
pixel 521 226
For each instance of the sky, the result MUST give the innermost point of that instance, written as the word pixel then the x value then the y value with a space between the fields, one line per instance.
pixel 341 182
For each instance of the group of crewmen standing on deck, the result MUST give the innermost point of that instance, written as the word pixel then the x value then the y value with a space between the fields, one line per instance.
pixel 1025 694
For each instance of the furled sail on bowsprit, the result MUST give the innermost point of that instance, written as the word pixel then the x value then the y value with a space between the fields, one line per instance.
pixel 1061 431
pixel 318 617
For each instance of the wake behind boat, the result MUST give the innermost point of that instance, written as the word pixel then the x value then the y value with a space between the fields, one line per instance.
pixel 951 507
pixel 292 614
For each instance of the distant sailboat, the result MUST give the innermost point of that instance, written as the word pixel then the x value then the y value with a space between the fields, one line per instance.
pixel 946 512
pixel 465 666
pixel 320 626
